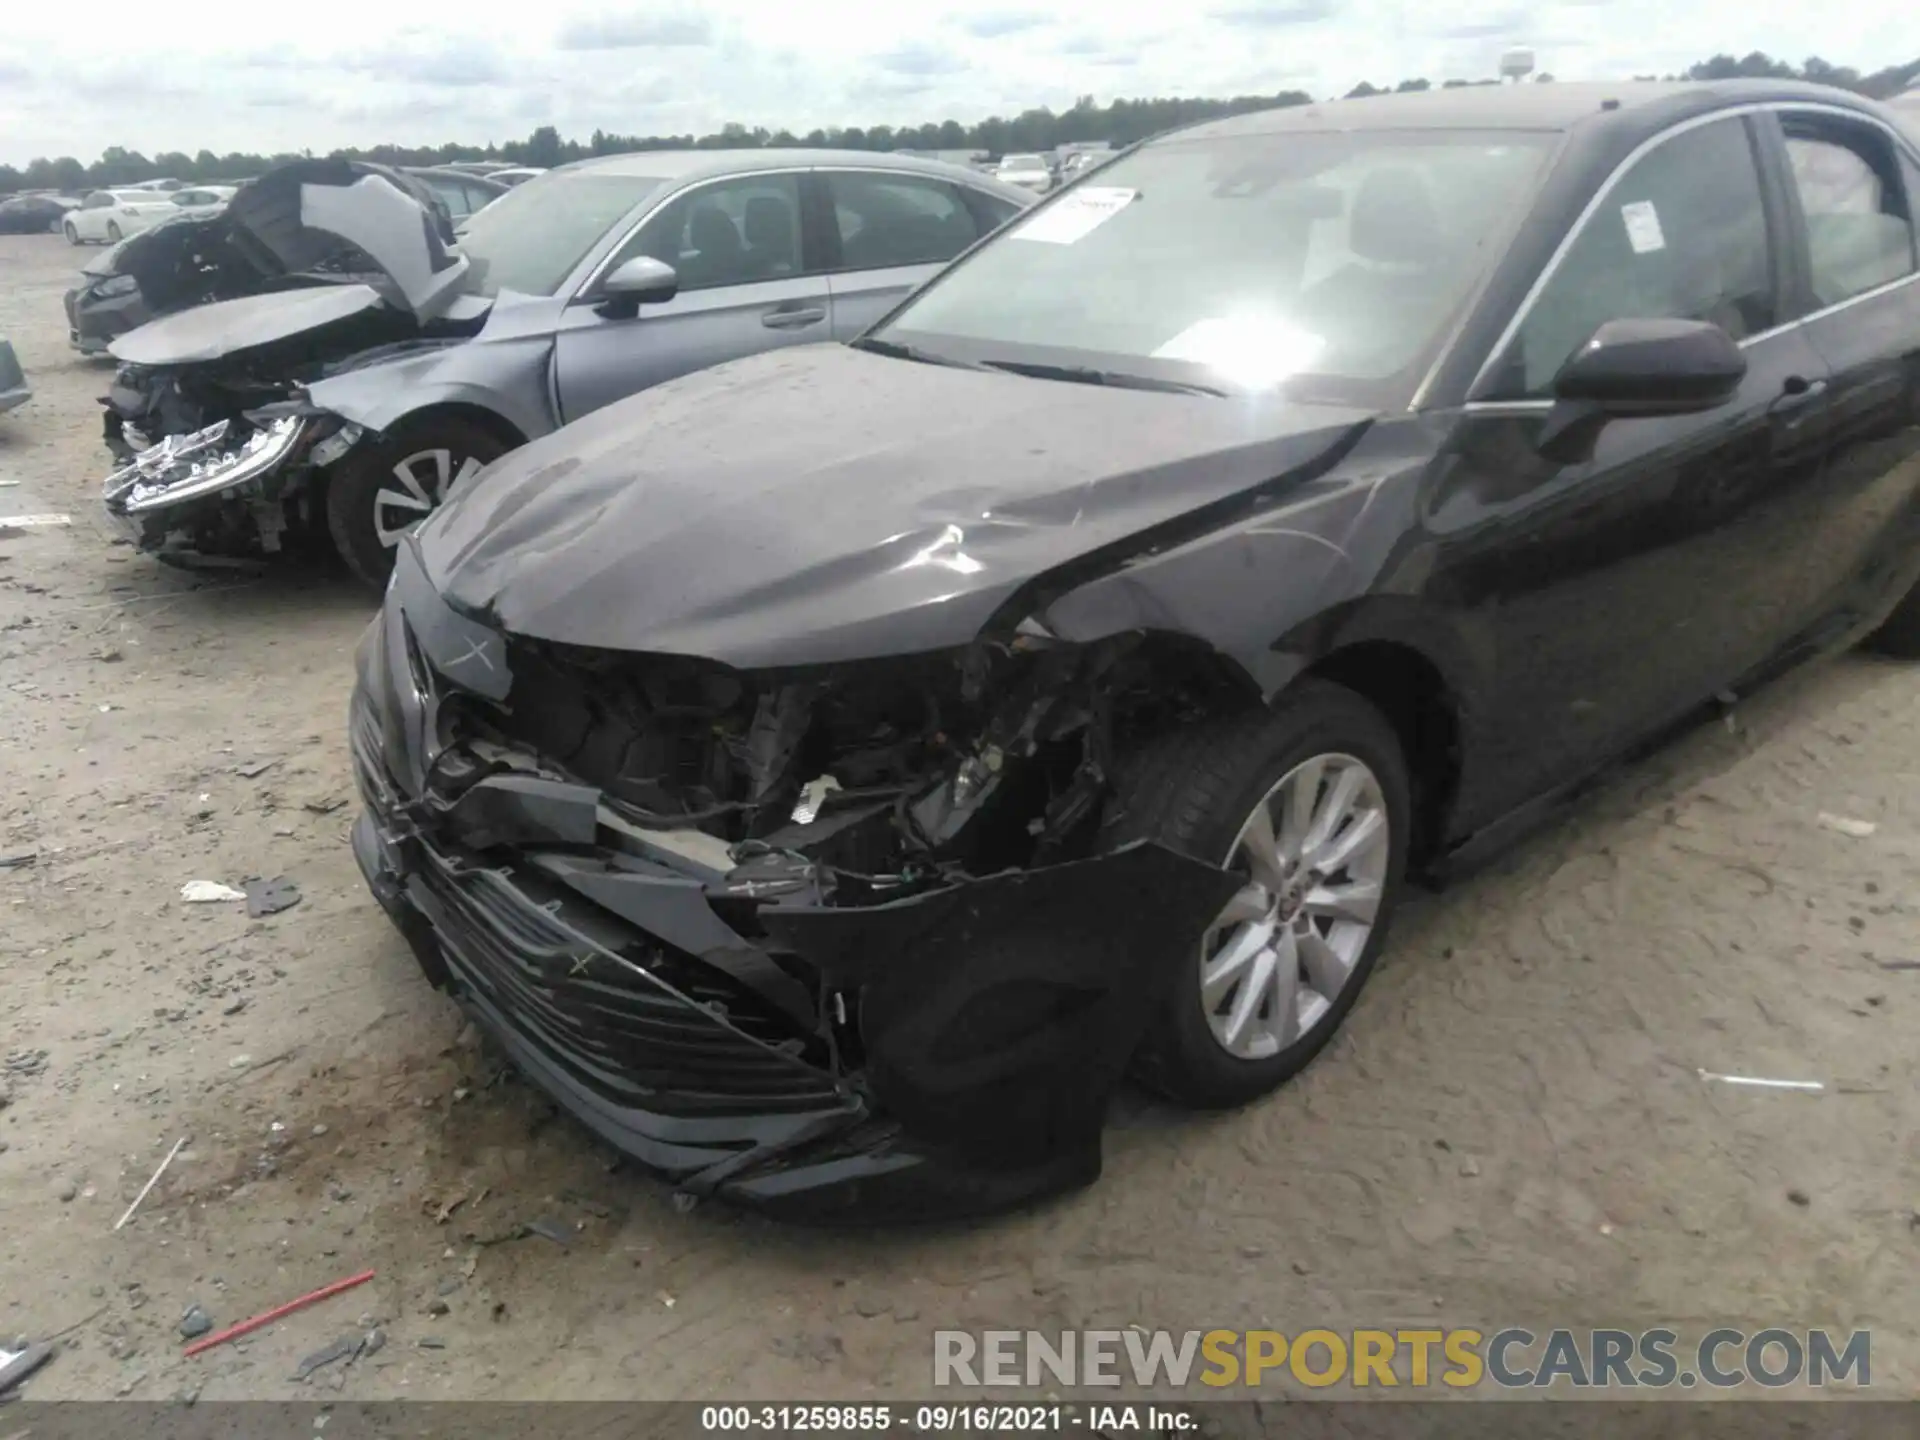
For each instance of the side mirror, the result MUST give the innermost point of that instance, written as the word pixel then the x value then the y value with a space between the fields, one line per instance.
pixel 1634 369
pixel 642 280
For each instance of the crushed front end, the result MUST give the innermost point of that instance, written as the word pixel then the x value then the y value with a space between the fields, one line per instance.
pixel 232 487
pixel 841 944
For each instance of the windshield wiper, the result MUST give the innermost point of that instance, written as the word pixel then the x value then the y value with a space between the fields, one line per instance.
pixel 894 350
pixel 1087 375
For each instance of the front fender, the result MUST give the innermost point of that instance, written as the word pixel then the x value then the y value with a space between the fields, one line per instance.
pixel 510 379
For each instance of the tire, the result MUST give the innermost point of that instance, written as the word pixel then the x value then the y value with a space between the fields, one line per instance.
pixel 1195 791
pixel 114 237
pixel 73 235
pixel 407 471
pixel 1899 635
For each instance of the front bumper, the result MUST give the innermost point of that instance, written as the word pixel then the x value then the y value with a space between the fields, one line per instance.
pixel 688 1015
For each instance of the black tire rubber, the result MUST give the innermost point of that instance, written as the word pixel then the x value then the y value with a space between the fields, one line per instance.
pixel 1899 635
pixel 114 237
pixel 358 477
pixel 73 235
pixel 1191 791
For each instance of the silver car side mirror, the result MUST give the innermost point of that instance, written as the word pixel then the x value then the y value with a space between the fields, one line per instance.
pixel 642 280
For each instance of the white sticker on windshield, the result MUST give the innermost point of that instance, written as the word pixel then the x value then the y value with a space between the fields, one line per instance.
pixel 1643 227
pixel 1075 214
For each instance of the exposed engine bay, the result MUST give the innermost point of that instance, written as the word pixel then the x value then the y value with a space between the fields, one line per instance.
pixel 884 777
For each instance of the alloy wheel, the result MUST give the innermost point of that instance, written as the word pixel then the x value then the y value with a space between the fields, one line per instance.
pixel 1315 853
pixel 425 478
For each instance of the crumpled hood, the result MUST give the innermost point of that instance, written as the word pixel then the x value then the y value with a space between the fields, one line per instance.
pixel 209 332
pixel 820 504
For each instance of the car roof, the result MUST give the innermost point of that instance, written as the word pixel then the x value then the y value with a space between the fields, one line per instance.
pixel 681 165
pixel 1628 105
pixel 447 172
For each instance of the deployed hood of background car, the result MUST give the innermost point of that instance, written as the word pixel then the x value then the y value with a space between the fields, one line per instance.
pixel 304 216
pixel 824 504
pixel 301 212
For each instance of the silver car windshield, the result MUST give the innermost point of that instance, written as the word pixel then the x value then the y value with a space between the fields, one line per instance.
pixel 530 238
pixel 1321 261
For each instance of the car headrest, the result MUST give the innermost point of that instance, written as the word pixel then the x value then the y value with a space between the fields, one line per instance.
pixel 710 231
pixel 769 222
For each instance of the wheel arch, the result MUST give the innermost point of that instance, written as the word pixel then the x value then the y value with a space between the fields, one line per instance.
pixel 466 411
pixel 1396 652
pixel 1410 690
pixel 1422 673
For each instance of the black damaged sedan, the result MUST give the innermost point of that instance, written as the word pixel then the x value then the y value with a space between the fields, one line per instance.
pixel 829 774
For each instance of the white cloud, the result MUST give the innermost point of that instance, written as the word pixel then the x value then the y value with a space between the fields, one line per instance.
pixel 285 77
pixel 636 30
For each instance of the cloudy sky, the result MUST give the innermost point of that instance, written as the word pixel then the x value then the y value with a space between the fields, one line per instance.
pixel 192 73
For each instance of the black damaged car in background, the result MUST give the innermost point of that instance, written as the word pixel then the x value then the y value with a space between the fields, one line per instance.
pixel 829 774
pixel 195 260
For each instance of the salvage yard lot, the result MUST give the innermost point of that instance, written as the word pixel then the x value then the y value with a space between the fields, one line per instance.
pixel 1512 1128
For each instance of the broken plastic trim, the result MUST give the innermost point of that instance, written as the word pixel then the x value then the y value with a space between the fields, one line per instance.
pixel 167 474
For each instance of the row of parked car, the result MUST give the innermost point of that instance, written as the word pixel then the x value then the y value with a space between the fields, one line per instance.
pixel 1041 173
pixel 106 216
pixel 827 768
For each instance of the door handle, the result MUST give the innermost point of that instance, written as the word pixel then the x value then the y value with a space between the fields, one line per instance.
pixel 1796 390
pixel 793 319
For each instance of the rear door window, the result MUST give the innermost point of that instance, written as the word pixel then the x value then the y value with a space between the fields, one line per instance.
pixel 887 219
pixel 1859 223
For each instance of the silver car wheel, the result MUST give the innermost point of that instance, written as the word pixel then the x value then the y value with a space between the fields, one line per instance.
pixel 426 478
pixel 1315 852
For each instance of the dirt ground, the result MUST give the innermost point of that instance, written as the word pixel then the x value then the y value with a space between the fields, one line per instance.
pixel 1512 1129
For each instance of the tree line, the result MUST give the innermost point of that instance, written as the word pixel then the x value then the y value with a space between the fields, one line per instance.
pixel 1120 122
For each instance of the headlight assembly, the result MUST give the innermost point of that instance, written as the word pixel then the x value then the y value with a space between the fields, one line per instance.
pixel 187 467
pixel 118 285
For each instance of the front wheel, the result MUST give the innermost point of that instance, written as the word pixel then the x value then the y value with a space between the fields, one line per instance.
pixel 73 235
pixel 383 488
pixel 113 233
pixel 1309 804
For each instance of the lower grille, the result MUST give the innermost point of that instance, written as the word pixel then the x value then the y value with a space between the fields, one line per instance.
pixel 633 1042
